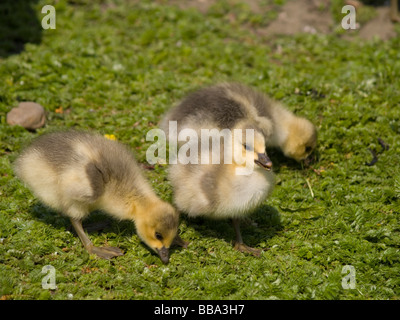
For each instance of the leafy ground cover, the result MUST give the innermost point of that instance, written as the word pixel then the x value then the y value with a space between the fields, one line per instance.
pixel 116 66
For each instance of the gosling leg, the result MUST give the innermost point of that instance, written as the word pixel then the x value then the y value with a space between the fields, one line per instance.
pixel 102 252
pixel 239 245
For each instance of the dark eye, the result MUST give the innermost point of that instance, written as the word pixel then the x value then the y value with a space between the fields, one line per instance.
pixel 247 147
pixel 158 236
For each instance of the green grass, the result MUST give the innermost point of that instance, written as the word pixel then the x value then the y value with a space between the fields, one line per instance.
pixel 116 67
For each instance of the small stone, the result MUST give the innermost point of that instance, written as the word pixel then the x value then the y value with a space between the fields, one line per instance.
pixel 29 115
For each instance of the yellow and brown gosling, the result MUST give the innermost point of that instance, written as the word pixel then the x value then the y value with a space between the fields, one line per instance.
pixel 225 105
pixel 76 173
pixel 217 191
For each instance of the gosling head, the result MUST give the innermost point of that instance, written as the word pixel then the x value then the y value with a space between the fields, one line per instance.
pixel 301 139
pixel 253 148
pixel 159 228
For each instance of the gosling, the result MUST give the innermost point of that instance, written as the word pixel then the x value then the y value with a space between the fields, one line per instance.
pixel 225 105
pixel 76 173
pixel 219 191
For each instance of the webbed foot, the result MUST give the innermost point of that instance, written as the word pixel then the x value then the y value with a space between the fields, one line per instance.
pixel 105 252
pixel 246 249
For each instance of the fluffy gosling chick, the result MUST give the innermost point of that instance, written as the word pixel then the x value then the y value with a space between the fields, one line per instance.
pixel 226 104
pixel 76 172
pixel 219 191
pixel 295 136
pixel 220 106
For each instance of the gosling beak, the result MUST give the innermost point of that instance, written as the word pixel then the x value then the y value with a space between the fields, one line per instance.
pixel 164 254
pixel 263 161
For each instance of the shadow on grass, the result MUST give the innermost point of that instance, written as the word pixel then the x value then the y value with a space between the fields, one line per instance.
pixel 19 25
pixel 97 222
pixel 279 160
pixel 259 226
pixel 263 224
